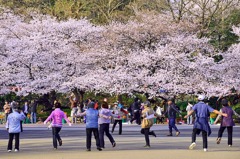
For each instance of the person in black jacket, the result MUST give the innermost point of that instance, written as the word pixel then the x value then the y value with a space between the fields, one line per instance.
pixel 171 113
pixel 136 111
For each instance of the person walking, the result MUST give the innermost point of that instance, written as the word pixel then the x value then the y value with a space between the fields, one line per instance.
pixel 91 125
pixel 147 115
pixel 117 111
pixel 171 113
pixel 56 116
pixel 104 121
pixel 188 109
pixel 201 124
pixel 14 127
pixel 226 122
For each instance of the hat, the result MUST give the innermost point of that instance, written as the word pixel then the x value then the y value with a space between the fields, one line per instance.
pixel 90 105
pixel 116 103
pixel 201 97
pixel 147 103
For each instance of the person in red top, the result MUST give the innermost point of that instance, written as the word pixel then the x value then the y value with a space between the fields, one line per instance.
pixel 56 116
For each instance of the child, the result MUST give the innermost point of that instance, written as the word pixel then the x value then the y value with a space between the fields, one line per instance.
pixel 105 118
pixel 14 127
pixel 56 116
pixel 91 125
pixel 226 122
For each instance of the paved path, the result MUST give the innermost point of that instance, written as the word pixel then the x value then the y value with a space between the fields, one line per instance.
pixel 36 143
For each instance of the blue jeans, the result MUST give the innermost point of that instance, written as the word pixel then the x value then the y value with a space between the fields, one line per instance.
pixel 171 124
pixel 33 117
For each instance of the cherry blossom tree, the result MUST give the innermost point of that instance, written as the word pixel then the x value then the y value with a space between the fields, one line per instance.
pixel 144 55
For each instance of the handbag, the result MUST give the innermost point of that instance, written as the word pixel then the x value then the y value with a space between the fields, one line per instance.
pixel 146 123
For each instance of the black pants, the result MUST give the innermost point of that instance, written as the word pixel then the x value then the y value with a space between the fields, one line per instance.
pixel 136 116
pixel 56 136
pixel 105 128
pixel 120 126
pixel 10 141
pixel 89 132
pixel 147 132
pixel 160 120
pixel 230 131
pixel 204 137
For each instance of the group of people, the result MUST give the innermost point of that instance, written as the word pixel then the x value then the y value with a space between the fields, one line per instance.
pixel 27 108
pixel 98 121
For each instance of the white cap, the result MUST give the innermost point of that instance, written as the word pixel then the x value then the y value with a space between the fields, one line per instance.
pixel 201 97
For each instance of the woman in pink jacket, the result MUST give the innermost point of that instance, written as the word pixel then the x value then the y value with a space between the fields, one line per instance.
pixel 56 116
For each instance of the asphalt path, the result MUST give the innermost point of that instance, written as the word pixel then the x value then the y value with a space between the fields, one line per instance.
pixel 31 131
pixel 36 143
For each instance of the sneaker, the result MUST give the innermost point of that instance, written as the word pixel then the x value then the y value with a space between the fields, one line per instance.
pixel 192 145
pixel 99 149
pixel 88 150
pixel 16 150
pixel 218 140
pixel 114 144
pixel 153 133
pixel 205 150
pixel 169 135
pixel 177 133
pixel 54 148
pixel 9 150
pixel 230 145
pixel 146 146
pixel 60 142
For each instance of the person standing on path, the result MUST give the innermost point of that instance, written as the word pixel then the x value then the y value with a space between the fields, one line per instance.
pixel 25 110
pixel 226 122
pixel 7 110
pixel 201 124
pixel 117 111
pixel 13 126
pixel 91 125
pixel 171 113
pixel 33 107
pixel 74 102
pixel 188 109
pixel 56 116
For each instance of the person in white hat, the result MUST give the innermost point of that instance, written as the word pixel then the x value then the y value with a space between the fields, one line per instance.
pixel 201 124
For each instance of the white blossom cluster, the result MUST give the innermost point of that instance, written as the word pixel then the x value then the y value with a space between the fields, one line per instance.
pixel 148 54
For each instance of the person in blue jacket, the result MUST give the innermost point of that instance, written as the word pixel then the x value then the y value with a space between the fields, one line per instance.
pixel 13 126
pixel 171 113
pixel 201 124
pixel 91 125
